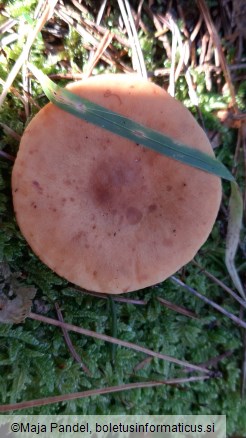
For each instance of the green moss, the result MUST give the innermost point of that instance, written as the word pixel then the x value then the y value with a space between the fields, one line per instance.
pixel 34 359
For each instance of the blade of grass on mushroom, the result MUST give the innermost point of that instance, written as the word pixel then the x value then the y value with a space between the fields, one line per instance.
pixel 127 128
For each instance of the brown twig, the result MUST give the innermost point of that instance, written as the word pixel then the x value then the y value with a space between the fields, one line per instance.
pixel 68 341
pixel 9 131
pixel 24 54
pixel 217 44
pixel 177 309
pixel 7 25
pixel 109 390
pixel 221 284
pixel 110 56
pixel 26 85
pixel 102 46
pixel 142 364
pixel 137 55
pixel 216 306
pixel 116 341
pixel 215 360
pixel 7 156
pixel 161 29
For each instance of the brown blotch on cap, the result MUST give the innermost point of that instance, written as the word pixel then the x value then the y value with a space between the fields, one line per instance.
pixel 150 213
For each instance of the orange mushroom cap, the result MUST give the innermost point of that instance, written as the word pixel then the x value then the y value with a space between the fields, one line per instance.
pixel 106 213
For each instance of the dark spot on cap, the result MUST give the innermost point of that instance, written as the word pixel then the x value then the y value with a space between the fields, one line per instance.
pixel 102 194
pixel 37 186
pixel 133 215
pixel 79 235
pixel 169 188
pixel 152 208
pixel 107 93
pixel 108 181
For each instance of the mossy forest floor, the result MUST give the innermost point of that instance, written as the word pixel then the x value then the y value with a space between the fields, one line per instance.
pixel 196 51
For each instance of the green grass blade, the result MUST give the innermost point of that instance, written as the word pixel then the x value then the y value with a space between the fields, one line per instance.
pixel 127 128
pixel 233 235
pixel 114 331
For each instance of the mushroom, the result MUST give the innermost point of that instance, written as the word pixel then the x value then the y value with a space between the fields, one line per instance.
pixel 106 213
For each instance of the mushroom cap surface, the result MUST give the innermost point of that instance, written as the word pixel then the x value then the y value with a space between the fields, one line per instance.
pixel 106 213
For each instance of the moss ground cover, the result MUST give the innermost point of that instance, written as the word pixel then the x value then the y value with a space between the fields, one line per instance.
pixel 35 361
